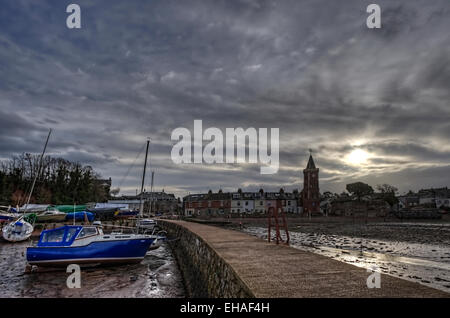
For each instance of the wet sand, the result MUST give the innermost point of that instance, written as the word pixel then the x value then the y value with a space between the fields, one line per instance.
pixel 157 276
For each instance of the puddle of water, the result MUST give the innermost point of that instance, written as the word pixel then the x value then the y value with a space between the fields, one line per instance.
pixel 426 264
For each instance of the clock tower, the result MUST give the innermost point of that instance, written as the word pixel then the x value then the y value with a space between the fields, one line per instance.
pixel 310 193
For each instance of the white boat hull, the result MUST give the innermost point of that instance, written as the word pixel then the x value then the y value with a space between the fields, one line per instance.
pixel 13 232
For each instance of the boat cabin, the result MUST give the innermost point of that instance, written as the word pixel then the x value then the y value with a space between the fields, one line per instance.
pixel 66 235
pixel 147 222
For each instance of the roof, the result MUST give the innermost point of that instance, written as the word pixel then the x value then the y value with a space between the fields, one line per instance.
pixel 433 193
pixel 310 164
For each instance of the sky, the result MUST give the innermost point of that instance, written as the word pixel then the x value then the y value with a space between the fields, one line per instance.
pixel 372 104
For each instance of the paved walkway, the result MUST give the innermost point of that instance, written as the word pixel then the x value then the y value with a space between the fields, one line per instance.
pixel 271 270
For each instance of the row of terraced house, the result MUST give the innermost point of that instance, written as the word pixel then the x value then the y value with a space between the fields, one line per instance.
pixel 306 201
pixel 213 204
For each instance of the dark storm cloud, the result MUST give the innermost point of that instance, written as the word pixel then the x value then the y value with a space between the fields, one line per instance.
pixel 311 68
pixel 409 149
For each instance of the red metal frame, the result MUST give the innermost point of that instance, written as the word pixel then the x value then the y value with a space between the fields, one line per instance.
pixel 273 213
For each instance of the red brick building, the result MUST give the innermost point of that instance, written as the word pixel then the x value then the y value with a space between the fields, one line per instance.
pixel 209 204
pixel 311 193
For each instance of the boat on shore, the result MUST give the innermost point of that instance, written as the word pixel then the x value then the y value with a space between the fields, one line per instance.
pixel 33 208
pixel 80 216
pixel 70 208
pixel 7 214
pixel 146 224
pixel 161 237
pixel 17 231
pixel 125 213
pixel 51 215
pixel 22 228
pixel 7 217
pixel 103 214
pixel 87 245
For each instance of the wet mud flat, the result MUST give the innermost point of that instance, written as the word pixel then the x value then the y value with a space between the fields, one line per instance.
pixel 415 231
pixel 424 263
pixel 157 276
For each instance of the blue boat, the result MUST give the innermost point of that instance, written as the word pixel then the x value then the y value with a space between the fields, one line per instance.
pixel 6 217
pixel 72 244
pixel 125 213
pixel 80 216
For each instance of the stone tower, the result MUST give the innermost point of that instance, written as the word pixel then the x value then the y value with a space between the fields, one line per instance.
pixel 310 193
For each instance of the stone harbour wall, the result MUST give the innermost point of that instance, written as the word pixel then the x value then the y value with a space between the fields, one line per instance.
pixel 204 271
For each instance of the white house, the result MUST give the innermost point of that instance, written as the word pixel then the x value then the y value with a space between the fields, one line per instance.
pixel 442 202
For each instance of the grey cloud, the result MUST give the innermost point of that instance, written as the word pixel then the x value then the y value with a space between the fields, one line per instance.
pixel 311 68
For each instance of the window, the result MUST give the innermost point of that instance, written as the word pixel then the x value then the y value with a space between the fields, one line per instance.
pixel 246 203
pixel 70 233
pixel 87 231
pixel 53 236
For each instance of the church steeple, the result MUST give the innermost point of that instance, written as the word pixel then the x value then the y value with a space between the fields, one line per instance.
pixel 311 192
pixel 310 164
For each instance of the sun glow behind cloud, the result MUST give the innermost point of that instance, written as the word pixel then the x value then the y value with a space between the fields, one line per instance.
pixel 357 157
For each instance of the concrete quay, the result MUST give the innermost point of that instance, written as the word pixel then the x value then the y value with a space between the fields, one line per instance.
pixel 228 263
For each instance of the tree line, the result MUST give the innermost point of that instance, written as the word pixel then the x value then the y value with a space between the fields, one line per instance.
pixel 59 181
pixel 386 192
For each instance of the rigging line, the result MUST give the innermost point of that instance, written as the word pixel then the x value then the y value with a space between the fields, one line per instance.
pixel 132 166
pixel 149 163
pixel 40 162
pixel 41 169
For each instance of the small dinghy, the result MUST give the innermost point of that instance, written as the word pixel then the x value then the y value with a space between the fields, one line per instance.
pixel 146 224
pixel 17 231
pixel 161 237
pixel 87 245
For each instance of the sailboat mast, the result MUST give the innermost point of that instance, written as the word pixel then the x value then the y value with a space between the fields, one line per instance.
pixel 141 210
pixel 151 193
pixel 39 170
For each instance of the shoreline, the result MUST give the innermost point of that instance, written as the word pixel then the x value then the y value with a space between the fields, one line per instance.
pixel 411 231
